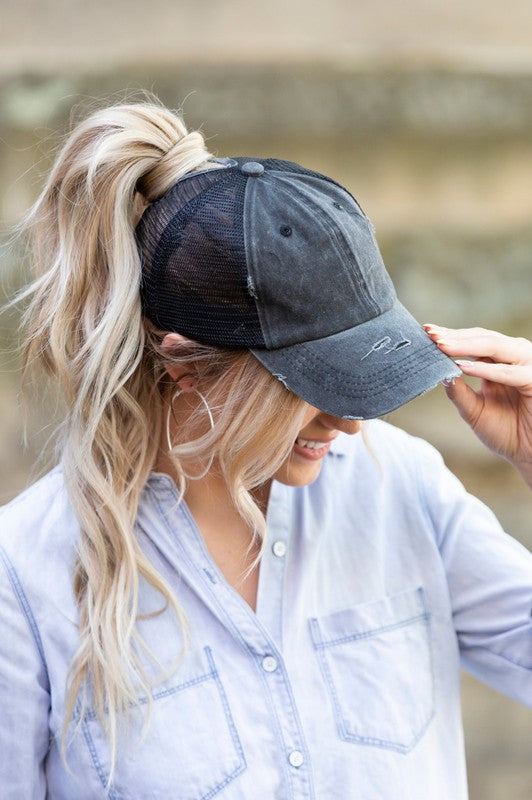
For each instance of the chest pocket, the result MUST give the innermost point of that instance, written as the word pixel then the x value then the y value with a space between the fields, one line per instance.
pixel 376 662
pixel 191 750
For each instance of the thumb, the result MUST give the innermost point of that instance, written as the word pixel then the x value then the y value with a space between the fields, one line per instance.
pixel 466 400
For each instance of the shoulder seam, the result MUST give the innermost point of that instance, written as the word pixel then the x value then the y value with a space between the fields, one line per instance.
pixel 23 494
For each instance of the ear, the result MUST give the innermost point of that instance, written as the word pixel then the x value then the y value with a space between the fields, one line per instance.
pixel 185 380
pixel 171 341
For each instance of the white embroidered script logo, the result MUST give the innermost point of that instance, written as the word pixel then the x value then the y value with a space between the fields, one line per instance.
pixel 386 345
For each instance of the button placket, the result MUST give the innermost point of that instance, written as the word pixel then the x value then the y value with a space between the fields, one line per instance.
pixel 272 568
pixel 292 739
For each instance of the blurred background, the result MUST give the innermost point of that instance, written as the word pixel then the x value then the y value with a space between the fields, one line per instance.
pixel 423 108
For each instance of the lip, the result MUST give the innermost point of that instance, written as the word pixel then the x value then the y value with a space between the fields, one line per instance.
pixel 313 455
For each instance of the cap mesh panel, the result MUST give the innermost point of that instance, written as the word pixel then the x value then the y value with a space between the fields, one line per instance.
pixel 194 266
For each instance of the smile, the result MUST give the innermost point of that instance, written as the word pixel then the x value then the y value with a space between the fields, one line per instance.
pixel 312 443
pixel 311 449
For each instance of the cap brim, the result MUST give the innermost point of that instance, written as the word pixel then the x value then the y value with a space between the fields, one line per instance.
pixel 365 371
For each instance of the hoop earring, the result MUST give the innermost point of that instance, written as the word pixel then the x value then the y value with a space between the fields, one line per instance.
pixel 169 441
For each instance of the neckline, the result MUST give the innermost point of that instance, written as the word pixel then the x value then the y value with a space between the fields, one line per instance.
pixel 181 507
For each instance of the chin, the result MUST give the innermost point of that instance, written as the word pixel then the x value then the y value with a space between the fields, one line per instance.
pixel 292 474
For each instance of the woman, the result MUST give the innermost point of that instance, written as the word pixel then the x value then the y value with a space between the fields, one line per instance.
pixel 201 600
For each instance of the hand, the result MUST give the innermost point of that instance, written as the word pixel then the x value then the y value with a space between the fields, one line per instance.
pixel 500 412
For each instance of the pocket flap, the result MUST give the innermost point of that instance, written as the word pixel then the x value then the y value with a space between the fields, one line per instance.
pixel 370 618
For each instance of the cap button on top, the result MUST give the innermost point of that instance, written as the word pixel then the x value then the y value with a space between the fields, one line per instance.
pixel 252 168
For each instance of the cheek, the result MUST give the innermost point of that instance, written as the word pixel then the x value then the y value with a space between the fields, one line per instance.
pixel 310 414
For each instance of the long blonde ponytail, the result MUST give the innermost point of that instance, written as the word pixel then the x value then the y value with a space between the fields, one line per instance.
pixel 85 324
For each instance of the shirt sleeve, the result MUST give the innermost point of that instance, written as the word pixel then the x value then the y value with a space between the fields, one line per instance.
pixel 24 693
pixel 489 575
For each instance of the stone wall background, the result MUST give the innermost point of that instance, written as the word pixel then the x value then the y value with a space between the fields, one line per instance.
pixel 423 109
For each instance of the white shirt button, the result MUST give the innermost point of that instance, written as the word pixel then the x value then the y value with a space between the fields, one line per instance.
pixel 296 758
pixel 269 663
pixel 279 548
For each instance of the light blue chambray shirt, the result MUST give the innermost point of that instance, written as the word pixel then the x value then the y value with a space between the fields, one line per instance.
pixel 376 582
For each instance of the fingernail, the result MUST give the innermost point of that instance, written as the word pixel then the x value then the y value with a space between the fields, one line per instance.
pixel 464 364
pixel 430 326
pixel 442 342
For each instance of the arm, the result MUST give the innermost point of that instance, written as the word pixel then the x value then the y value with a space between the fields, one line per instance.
pixel 489 577
pixel 24 693
pixel 500 412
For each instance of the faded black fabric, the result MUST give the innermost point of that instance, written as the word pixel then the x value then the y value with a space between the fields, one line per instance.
pixel 366 371
pixel 327 275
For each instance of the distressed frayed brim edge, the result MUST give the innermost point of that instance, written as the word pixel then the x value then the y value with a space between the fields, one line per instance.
pixel 366 371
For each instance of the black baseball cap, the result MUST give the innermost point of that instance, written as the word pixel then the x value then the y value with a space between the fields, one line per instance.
pixel 266 255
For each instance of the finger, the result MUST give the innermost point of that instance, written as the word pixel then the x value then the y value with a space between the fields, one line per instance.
pixel 518 376
pixel 466 400
pixel 479 343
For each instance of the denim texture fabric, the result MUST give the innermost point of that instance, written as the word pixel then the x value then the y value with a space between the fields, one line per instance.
pixel 330 245
pixel 381 365
pixel 378 581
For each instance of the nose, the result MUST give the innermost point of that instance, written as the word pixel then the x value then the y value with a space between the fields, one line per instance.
pixel 349 426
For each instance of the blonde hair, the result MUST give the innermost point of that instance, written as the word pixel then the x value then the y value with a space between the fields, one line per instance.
pixel 84 324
